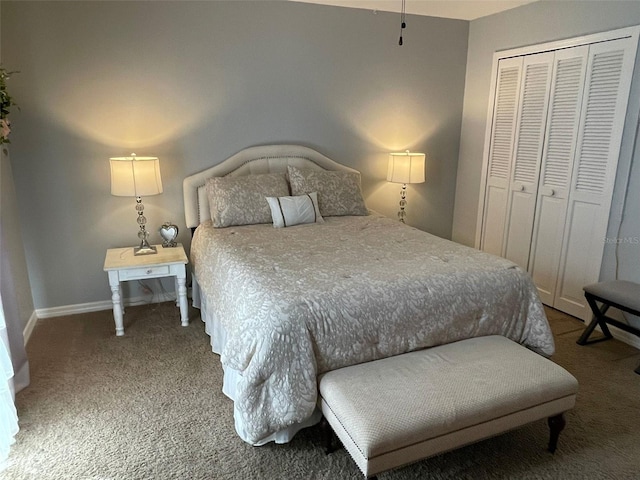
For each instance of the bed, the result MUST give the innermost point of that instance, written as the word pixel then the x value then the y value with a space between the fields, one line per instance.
pixel 283 305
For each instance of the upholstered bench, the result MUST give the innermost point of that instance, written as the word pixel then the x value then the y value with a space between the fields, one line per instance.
pixel 401 409
pixel 619 294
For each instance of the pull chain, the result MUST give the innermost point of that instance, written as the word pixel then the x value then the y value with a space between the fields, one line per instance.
pixel 403 24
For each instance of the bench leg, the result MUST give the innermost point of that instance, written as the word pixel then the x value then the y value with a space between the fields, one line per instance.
pixel 637 370
pixel 556 425
pixel 327 435
pixel 598 318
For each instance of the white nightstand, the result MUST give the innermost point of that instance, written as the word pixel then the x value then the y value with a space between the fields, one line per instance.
pixel 123 265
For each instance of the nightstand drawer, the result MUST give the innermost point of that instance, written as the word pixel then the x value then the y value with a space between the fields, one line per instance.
pixel 137 273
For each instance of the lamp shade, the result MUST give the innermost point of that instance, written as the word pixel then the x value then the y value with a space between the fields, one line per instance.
pixel 406 167
pixel 135 176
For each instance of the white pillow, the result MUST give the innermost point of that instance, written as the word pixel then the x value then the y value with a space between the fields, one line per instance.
pixel 289 211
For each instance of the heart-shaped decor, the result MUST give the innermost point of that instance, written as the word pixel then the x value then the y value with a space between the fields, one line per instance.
pixel 169 233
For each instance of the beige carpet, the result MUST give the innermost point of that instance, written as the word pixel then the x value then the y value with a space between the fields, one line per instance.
pixel 148 406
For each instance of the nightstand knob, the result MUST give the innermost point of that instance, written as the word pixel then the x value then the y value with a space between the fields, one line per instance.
pixel 149 271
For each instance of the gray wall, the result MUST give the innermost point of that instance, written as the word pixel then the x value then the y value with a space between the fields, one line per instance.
pixel 195 82
pixel 531 24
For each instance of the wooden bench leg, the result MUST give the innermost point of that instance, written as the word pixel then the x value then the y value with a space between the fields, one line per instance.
pixel 556 425
pixel 329 444
pixel 327 435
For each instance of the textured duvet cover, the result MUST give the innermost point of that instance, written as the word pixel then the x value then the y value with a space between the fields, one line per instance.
pixel 295 302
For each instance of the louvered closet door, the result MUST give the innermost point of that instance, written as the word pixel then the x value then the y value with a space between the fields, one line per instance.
pixel 500 154
pixel 557 166
pixel 530 128
pixel 609 71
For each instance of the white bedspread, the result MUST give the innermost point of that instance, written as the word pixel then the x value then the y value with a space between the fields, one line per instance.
pixel 295 302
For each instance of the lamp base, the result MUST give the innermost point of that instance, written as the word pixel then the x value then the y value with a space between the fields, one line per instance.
pixel 403 203
pixel 145 250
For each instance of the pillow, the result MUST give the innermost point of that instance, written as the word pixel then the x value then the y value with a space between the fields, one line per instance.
pixel 290 211
pixel 338 191
pixel 241 200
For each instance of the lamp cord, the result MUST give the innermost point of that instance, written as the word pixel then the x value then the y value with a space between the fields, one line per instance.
pixel 624 201
pixel 403 23
pixel 618 240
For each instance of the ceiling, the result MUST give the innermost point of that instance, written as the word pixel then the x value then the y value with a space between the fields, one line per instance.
pixel 460 9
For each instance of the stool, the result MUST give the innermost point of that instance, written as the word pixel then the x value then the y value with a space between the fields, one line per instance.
pixel 619 294
pixel 401 409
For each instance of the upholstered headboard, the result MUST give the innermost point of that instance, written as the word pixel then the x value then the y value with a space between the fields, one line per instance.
pixel 252 160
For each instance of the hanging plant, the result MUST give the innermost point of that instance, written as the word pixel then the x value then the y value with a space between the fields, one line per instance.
pixel 6 102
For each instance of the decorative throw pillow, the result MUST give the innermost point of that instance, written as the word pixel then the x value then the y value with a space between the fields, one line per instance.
pixel 290 211
pixel 241 200
pixel 338 191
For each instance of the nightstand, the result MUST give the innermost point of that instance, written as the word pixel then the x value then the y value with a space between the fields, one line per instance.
pixel 122 265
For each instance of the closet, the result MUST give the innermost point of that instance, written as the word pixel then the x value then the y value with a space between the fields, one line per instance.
pixel 551 154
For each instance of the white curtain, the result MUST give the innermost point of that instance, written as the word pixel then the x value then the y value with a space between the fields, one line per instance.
pixel 8 414
pixel 16 307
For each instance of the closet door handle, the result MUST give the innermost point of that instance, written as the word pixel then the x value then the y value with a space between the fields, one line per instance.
pixel 552 193
pixel 522 188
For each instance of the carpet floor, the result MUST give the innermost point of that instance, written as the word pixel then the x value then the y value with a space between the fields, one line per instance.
pixel 149 405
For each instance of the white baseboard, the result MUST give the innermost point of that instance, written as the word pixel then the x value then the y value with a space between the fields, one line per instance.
pixel 73 309
pixel 95 306
pixel 28 329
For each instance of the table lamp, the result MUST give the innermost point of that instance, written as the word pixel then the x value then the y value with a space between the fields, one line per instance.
pixel 137 177
pixel 405 167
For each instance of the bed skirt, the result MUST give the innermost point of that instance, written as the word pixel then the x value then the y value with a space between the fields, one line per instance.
pixel 231 377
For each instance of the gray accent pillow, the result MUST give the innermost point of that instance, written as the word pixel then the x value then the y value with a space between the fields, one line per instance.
pixel 242 200
pixel 339 192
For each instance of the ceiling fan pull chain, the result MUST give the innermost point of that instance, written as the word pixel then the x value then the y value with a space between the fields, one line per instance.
pixel 403 24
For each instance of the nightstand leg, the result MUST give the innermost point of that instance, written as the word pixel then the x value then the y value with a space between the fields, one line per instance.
pixel 121 297
pixel 116 297
pixel 182 297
